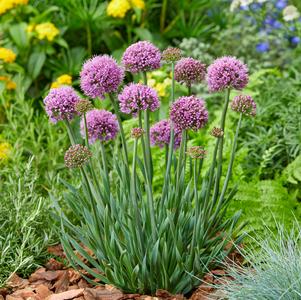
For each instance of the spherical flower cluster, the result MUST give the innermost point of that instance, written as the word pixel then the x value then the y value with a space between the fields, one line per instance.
pixel 189 113
pixel 137 132
pixel 217 132
pixel 101 125
pixel 160 134
pixel 227 72
pixel 290 13
pixel 136 97
pixel 76 156
pixel 60 103
pixel 189 71
pixel 197 152
pixel 7 55
pixel 244 104
pixel 9 84
pixel 6 5
pixel 100 75
pixel 5 149
pixel 83 106
pixel 62 80
pixel 171 54
pixel 141 57
pixel 46 31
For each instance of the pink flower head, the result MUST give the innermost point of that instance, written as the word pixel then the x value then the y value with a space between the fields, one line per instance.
pixel 227 72
pixel 160 134
pixel 189 113
pixel 100 75
pixel 189 71
pixel 60 103
pixel 101 125
pixel 136 97
pixel 244 104
pixel 141 57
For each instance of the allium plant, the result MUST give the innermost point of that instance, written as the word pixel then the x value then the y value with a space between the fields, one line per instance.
pixel 130 236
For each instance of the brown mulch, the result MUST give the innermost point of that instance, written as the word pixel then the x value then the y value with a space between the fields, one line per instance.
pixel 56 282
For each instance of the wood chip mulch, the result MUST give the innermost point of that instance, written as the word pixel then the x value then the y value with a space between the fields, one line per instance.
pixel 56 282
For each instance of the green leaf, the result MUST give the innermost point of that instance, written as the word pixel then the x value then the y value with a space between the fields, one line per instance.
pixel 19 35
pixel 35 64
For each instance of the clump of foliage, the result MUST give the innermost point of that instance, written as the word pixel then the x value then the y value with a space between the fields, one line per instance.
pixel 25 228
pixel 272 271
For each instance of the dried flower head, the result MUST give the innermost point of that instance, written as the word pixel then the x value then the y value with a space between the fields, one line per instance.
pixel 136 97
pixel 101 125
pixel 197 152
pixel 189 113
pixel 141 57
pixel 100 75
pixel 217 132
pixel 244 104
pixel 76 156
pixel 160 134
pixel 60 103
pixel 227 72
pixel 83 106
pixel 189 71
pixel 171 54
pixel 137 132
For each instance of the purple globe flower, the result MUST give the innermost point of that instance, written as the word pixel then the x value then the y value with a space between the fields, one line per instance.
pixel 244 104
pixel 100 75
pixel 101 125
pixel 227 72
pixel 160 134
pixel 189 71
pixel 189 113
pixel 141 57
pixel 60 103
pixel 136 97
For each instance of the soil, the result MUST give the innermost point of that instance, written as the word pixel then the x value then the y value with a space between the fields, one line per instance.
pixel 54 281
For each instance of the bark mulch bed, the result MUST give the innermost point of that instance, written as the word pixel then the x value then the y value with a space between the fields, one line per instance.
pixel 56 282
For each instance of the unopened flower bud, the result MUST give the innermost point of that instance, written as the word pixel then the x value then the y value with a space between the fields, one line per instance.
pixel 217 132
pixel 137 132
pixel 171 54
pixel 245 105
pixel 196 152
pixel 76 156
pixel 83 106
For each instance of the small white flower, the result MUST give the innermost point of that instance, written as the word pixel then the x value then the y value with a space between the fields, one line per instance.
pixel 290 13
pixel 237 3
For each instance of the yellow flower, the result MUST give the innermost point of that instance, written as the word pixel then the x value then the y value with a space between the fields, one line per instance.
pixel 9 84
pixel 30 27
pixel 137 4
pixel 62 80
pixel 46 31
pixel 6 5
pixel 7 55
pixel 118 8
pixel 5 149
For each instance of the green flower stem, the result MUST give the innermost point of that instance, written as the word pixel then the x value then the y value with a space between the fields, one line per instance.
pixel 145 160
pixel 147 137
pixel 166 155
pixel 182 158
pixel 117 112
pixel 172 138
pixel 89 39
pixel 196 203
pixel 86 131
pixel 105 166
pixel 220 149
pixel 70 132
pixel 134 192
pixel 189 90
pixel 233 150
pixel 163 15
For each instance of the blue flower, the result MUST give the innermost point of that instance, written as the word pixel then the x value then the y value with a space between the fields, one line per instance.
pixel 263 47
pixel 295 40
pixel 281 4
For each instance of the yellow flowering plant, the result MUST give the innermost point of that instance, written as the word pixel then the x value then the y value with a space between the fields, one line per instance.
pixel 119 8
pixel 64 79
pixel 5 149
